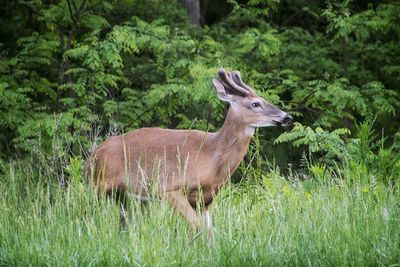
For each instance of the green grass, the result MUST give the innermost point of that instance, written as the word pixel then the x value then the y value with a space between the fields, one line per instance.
pixel 271 222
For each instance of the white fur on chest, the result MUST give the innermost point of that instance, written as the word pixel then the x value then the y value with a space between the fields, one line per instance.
pixel 249 131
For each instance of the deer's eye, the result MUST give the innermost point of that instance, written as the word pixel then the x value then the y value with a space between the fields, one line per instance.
pixel 255 104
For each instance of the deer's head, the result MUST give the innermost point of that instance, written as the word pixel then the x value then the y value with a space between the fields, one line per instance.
pixel 254 110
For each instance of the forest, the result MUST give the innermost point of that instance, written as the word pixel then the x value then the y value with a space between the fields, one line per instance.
pixel 324 191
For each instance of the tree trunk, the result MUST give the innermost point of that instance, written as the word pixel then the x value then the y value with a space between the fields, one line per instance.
pixel 193 9
pixel 345 63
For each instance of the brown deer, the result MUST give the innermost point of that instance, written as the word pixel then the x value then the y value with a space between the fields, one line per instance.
pixel 185 167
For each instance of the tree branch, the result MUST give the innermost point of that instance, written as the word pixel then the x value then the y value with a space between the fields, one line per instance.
pixel 71 13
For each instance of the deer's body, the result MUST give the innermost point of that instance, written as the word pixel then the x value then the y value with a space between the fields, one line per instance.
pixel 187 160
pixel 185 166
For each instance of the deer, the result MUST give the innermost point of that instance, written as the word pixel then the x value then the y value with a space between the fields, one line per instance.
pixel 186 167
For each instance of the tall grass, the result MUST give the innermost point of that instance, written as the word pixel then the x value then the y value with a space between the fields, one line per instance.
pixel 268 222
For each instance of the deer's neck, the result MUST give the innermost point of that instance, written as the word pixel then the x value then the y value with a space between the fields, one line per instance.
pixel 232 141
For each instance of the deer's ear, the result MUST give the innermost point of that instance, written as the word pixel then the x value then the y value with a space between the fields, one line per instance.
pixel 221 91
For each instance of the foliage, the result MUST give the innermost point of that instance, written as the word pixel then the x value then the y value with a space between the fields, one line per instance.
pixel 318 140
pixel 74 67
pixel 370 152
pixel 363 153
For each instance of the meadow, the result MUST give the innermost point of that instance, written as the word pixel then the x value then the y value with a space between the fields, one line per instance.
pixel 265 220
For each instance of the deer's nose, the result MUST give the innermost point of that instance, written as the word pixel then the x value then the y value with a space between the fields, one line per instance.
pixel 287 119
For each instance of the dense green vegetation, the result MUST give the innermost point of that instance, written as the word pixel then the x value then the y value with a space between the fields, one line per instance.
pixel 323 192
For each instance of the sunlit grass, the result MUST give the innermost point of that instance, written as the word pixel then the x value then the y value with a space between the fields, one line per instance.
pixel 266 223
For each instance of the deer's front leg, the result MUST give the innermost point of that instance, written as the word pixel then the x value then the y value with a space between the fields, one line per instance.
pixel 181 204
pixel 208 221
